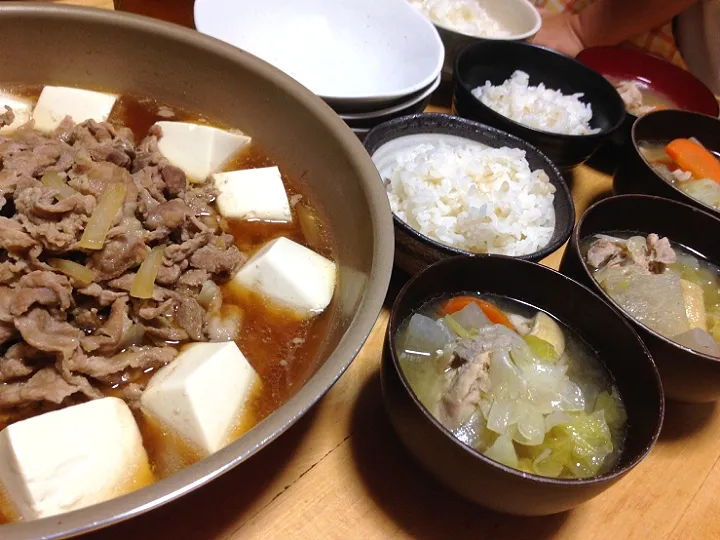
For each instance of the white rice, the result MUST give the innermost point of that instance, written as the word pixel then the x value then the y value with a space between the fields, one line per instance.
pixel 472 197
pixel 464 16
pixel 536 106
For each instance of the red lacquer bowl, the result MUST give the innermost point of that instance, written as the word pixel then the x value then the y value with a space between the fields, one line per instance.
pixel 665 78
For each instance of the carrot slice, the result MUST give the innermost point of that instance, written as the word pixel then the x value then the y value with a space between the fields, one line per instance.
pixel 491 311
pixel 694 158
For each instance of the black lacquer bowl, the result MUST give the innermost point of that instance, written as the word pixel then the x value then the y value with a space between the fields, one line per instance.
pixel 496 61
pixel 465 470
pixel 687 375
pixel 415 251
pixel 636 175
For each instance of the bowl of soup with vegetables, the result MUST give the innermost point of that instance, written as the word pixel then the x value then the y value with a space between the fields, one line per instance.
pixel 491 377
pixel 656 261
pixel 178 281
pixel 674 154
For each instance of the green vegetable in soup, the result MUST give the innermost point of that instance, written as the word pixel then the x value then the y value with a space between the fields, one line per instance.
pixel 513 397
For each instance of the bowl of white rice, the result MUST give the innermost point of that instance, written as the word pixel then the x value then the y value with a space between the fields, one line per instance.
pixel 463 22
pixel 457 187
pixel 561 106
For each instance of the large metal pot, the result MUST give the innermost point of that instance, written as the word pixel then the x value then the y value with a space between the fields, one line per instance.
pixel 123 53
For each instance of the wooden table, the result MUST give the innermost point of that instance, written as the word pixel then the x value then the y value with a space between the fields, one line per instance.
pixel 341 473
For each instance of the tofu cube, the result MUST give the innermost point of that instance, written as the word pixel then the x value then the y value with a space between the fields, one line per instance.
pixel 201 394
pixel 21 108
pixel 252 194
pixel 290 275
pixel 198 150
pixel 71 458
pixel 57 102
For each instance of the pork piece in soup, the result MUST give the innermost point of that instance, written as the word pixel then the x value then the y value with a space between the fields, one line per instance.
pixel 514 384
pixel 163 288
pixel 662 285
pixel 639 99
pixel 687 165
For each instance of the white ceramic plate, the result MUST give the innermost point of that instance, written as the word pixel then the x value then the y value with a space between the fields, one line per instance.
pixel 417 98
pixel 353 50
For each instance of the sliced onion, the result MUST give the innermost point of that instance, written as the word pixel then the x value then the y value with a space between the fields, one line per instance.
pixel 309 226
pixel 143 284
pixel 55 181
pixel 81 273
pixel 503 415
pixel 207 294
pixel 556 418
pixel 134 336
pixel 503 451
pixel 111 201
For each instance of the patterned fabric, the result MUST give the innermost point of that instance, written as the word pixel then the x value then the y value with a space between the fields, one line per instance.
pixel 659 41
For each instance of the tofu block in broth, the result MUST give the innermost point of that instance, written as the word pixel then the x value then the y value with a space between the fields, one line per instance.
pixel 21 110
pixel 57 102
pixel 290 275
pixel 71 458
pixel 252 194
pixel 198 150
pixel 200 396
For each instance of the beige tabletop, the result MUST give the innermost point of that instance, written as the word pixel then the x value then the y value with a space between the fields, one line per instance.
pixel 340 472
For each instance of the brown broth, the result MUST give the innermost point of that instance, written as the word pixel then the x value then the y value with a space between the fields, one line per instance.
pixel 282 349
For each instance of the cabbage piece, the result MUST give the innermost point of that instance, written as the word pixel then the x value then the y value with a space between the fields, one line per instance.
pixel 522 355
pixel 506 379
pixel 613 409
pixel 471 317
pixel 699 340
pixel 713 323
pixel 526 465
pixel 474 433
pixel 586 442
pixel 542 349
pixel 530 425
pixel 653 300
pixel 706 191
pixel 541 376
pixel 503 451
pixel 690 270
pixel 425 336
pixel 551 463
pixel 571 397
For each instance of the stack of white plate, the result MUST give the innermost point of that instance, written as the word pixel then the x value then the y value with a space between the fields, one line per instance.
pixel 370 60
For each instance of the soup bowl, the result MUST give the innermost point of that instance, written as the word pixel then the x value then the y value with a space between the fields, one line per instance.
pixel 636 175
pixel 128 54
pixel 477 64
pixel 470 473
pixel 687 375
pixel 678 85
pixel 414 250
